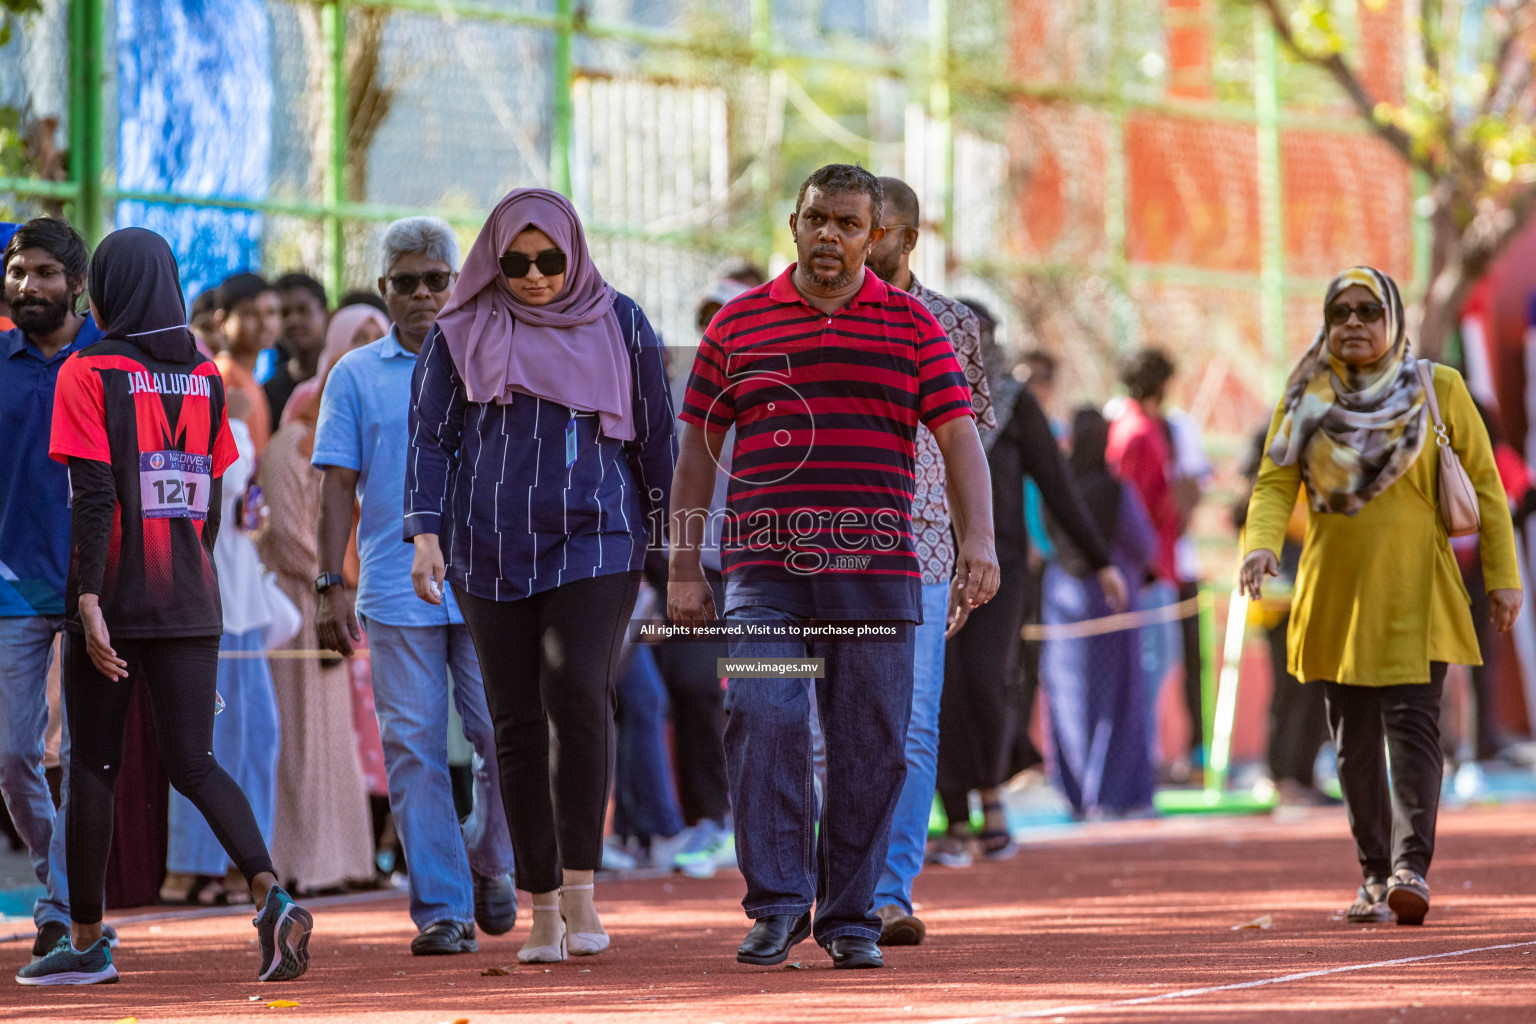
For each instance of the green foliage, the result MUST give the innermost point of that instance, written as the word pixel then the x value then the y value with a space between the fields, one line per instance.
pixel 11 11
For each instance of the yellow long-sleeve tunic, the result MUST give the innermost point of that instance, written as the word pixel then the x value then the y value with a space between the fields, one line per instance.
pixel 1378 595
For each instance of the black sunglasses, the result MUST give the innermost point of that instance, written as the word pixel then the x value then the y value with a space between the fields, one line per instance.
pixel 1368 312
pixel 550 262
pixel 436 280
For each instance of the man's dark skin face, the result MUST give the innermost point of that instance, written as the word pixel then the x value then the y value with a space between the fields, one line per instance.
pixel 888 258
pixel 413 314
pixel 42 298
pixel 304 320
pixel 833 232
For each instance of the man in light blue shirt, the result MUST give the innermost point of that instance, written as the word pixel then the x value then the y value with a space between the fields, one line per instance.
pixel 360 446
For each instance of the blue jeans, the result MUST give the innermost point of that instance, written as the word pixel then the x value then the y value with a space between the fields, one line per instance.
pixel 909 829
pixel 245 742
pixel 26 651
pixel 410 695
pixel 1161 644
pixel 865 704
pixel 645 804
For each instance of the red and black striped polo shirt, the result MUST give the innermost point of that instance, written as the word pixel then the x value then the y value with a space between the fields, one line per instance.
pixel 826 410
pixel 164 430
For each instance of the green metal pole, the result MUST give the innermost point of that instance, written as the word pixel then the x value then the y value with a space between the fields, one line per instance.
pixel 765 177
pixel 1271 204
pixel 560 139
pixel 87 160
pixel 939 101
pixel 1123 314
pixel 333 26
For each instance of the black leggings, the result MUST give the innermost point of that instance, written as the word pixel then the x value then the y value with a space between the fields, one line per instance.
pixel 181 677
pixel 550 663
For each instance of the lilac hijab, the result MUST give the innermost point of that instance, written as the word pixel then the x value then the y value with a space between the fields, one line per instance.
pixel 571 350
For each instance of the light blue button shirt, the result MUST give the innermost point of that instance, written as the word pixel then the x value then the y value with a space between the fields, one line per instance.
pixel 362 427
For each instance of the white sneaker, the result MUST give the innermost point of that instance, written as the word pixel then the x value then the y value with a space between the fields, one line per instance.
pixel 711 847
pixel 616 859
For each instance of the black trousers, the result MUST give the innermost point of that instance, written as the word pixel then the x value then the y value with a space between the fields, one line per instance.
pixel 1024 754
pixel 978 715
pixel 1298 725
pixel 698 726
pixel 181 676
pixel 1393 825
pixel 1194 668
pixel 1487 739
pixel 550 663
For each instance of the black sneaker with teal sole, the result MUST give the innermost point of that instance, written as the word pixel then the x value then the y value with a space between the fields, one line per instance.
pixel 283 928
pixel 65 965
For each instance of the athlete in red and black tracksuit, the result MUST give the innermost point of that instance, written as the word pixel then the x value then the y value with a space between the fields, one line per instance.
pixel 139 418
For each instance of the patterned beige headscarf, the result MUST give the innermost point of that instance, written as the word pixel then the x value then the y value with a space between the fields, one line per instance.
pixel 1354 429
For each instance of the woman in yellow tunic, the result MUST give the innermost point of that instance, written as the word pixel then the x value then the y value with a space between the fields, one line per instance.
pixel 1380 608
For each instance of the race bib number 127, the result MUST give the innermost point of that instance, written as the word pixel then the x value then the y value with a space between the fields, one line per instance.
pixel 175 485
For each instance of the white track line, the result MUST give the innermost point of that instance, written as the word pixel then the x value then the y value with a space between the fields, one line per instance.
pixel 1191 993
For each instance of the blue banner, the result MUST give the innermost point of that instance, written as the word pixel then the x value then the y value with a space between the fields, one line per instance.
pixel 194 104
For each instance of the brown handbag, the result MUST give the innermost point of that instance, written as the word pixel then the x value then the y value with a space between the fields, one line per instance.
pixel 1458 498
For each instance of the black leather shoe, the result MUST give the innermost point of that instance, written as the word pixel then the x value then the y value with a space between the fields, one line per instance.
pixel 495 904
pixel 772 937
pixel 854 952
pixel 441 938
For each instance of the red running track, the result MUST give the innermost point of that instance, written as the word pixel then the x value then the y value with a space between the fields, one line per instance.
pixel 1116 923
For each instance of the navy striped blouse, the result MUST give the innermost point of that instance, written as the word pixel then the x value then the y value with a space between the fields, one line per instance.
pixel 492 481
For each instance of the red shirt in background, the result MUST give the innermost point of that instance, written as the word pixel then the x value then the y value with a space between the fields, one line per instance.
pixel 1140 453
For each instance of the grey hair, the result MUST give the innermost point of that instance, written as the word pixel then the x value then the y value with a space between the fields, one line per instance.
pixel 431 237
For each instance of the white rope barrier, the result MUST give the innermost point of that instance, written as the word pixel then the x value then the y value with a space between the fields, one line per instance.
pixel 1113 623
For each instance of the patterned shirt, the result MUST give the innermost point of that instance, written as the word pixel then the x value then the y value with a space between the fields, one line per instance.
pixel 826 409
pixel 515 514
pixel 930 506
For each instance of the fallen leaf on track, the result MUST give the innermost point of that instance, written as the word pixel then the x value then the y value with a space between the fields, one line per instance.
pixel 1257 924
pixel 126 1020
pixel 281 1004
pixel 496 972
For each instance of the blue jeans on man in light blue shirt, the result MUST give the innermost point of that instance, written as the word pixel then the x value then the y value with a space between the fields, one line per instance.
pixel 411 666
pixel 909 828
pixel 26 652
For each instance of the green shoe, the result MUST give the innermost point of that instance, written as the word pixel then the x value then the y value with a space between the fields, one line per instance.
pixel 283 929
pixel 65 965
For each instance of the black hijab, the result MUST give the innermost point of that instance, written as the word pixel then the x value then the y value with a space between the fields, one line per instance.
pixel 136 289
pixel 1099 487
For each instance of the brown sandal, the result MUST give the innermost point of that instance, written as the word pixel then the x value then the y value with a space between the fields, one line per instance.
pixel 1408 896
pixel 1370 906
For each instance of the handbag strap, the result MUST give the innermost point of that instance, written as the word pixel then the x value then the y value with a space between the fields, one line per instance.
pixel 1426 378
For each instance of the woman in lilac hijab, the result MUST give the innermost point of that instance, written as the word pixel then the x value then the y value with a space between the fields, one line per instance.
pixel 539 475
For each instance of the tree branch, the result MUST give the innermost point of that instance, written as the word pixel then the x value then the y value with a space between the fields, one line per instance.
pixel 1347 80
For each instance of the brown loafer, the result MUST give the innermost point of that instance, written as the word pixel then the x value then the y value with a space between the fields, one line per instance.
pixel 898 928
pixel 1408 896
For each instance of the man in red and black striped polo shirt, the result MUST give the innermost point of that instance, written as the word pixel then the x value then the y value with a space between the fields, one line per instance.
pixel 826 374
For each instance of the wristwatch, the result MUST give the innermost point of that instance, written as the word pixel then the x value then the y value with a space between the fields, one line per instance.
pixel 327 580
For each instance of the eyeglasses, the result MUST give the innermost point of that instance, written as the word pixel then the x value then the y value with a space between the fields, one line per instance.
pixel 1369 312
pixel 436 281
pixel 551 262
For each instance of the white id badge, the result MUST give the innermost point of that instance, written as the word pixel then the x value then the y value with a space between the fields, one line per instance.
pixel 175 485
